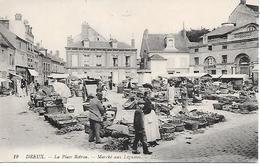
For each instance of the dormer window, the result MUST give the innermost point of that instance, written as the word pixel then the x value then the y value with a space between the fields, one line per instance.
pixel 170 43
pixel 251 28
pixel 85 43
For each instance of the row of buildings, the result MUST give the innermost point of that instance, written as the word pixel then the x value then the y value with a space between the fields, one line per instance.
pixel 20 56
pixel 231 48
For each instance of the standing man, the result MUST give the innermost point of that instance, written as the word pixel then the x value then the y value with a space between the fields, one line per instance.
pixel 96 111
pixel 139 129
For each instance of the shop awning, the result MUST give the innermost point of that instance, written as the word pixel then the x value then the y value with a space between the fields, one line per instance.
pixel 33 72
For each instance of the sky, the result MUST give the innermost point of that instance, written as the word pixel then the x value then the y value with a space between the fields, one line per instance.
pixel 54 20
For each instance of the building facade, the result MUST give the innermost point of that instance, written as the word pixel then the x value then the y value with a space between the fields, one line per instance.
pixel 7 52
pixel 231 48
pixel 90 54
pixel 167 52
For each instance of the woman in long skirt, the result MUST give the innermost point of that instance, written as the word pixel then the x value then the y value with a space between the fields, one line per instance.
pixel 151 123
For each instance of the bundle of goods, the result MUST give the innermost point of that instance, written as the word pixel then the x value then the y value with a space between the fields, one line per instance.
pixel 130 104
pixel 52 108
pixel 178 123
pixel 67 129
pixel 126 92
pixel 236 105
pixel 210 97
pixel 40 110
pixel 160 97
pixel 168 136
pixel 164 108
pixel 224 89
pixel 119 144
pixel 119 130
pixel 167 130
pixel 60 120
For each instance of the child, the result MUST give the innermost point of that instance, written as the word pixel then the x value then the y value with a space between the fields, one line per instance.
pixel 139 129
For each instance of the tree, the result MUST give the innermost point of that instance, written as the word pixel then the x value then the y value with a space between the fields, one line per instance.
pixel 194 35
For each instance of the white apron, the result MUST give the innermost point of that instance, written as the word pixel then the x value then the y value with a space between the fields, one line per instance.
pixel 151 125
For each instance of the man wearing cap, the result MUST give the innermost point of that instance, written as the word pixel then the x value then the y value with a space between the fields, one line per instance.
pixel 96 111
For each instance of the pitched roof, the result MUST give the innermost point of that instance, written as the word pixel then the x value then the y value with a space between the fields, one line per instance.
pixel 3 42
pixel 157 57
pixel 253 7
pixel 221 30
pixel 156 42
pixel 9 36
pixel 226 29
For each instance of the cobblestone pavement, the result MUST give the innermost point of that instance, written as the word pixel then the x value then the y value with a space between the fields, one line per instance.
pixel 235 140
pixel 235 144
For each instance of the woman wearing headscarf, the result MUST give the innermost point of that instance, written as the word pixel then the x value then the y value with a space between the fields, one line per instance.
pixel 151 123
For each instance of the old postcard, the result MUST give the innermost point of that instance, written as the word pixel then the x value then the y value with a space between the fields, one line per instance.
pixel 129 81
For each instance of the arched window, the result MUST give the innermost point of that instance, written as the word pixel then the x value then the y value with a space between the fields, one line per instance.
pixel 210 61
pixel 251 28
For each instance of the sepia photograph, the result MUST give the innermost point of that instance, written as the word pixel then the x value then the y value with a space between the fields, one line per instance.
pixel 151 81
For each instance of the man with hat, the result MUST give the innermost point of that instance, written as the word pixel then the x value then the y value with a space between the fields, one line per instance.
pixel 96 112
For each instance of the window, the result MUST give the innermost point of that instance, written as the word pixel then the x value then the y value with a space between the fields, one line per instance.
pixel 213 72
pixel 196 60
pixel 224 71
pixel 251 28
pixel 224 46
pixel 210 47
pixel 170 43
pixel 11 61
pixel 99 61
pixel 127 61
pixel 196 72
pixel 115 62
pixel 196 50
pixel 224 59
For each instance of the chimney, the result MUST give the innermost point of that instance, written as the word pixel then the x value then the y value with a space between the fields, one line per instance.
pixel 69 40
pixel 18 16
pixel 205 39
pixel 243 2
pixel 84 30
pixel 133 43
pixel 4 22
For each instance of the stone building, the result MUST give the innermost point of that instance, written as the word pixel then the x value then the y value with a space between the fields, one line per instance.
pixel 90 54
pixel 7 52
pixel 57 64
pixel 231 48
pixel 167 52
pixel 21 28
pixel 20 51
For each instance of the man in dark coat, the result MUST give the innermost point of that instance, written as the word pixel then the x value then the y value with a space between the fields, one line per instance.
pixel 139 130
pixel 96 112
